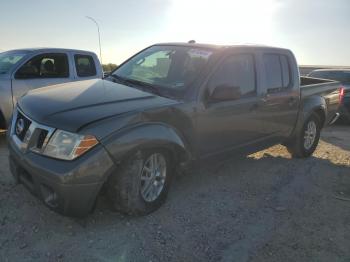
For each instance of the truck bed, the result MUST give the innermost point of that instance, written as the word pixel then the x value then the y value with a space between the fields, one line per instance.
pixel 328 89
pixel 311 86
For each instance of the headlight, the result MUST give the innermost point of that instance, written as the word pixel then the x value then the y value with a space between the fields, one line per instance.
pixel 68 146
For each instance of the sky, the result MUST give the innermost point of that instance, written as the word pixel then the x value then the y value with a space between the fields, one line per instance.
pixel 318 32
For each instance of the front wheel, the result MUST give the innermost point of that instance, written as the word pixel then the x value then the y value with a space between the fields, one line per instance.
pixel 2 122
pixel 142 183
pixel 307 138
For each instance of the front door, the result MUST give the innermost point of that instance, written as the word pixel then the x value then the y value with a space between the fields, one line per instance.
pixel 230 117
pixel 41 70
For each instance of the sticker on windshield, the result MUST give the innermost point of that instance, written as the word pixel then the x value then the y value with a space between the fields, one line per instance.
pixel 200 53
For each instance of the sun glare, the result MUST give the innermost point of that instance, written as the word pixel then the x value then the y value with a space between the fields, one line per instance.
pixel 222 21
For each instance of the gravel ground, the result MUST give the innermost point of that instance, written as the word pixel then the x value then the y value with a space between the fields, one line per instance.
pixel 264 207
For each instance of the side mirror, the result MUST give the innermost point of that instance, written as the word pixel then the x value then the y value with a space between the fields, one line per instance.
pixel 225 93
pixel 27 71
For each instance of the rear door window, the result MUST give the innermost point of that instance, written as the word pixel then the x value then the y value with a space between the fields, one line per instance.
pixel 285 70
pixel 85 65
pixel 273 71
pixel 277 72
pixel 45 66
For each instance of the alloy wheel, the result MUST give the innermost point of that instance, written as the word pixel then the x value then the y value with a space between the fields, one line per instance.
pixel 310 134
pixel 153 176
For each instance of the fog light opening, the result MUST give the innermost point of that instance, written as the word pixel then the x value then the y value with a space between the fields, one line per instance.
pixel 49 195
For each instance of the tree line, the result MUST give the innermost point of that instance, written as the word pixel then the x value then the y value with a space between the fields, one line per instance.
pixel 109 67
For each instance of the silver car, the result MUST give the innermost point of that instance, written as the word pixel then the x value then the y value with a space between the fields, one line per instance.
pixel 25 69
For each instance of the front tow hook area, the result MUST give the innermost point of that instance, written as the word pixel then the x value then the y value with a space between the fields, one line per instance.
pixel 49 196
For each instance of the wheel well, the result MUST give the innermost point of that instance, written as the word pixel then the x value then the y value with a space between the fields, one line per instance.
pixel 174 154
pixel 321 114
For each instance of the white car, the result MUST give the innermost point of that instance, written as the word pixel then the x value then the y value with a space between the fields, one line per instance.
pixel 25 69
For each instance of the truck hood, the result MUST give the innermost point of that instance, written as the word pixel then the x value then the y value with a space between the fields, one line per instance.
pixel 73 105
pixel 5 76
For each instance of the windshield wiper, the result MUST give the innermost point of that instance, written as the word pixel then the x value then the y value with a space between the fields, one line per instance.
pixel 137 84
pixel 144 85
pixel 119 79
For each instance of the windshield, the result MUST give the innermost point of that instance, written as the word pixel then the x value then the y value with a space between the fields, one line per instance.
pixel 169 68
pixel 8 60
pixel 341 76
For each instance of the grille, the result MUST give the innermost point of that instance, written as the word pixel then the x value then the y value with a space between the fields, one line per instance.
pixel 27 134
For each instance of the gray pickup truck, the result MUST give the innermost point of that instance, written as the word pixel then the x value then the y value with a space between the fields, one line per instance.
pixel 22 70
pixel 167 106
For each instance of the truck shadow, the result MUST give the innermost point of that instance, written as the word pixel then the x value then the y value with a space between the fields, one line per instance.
pixel 221 202
pixel 226 180
pixel 225 200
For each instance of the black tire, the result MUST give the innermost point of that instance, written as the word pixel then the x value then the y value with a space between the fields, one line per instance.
pixel 2 121
pixel 124 187
pixel 297 147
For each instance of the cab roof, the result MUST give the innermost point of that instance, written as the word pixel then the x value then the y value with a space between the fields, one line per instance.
pixel 218 47
pixel 48 49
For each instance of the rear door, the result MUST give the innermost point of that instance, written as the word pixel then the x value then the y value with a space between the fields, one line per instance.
pixel 39 71
pixel 224 125
pixel 282 95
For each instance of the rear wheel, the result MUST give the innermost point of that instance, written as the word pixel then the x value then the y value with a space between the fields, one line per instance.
pixel 142 184
pixel 307 138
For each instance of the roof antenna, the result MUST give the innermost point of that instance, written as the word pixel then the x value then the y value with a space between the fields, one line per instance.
pixel 192 41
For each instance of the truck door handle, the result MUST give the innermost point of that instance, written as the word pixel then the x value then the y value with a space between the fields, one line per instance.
pixel 291 101
pixel 254 107
pixel 264 99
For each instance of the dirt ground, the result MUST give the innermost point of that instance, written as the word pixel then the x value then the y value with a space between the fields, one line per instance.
pixel 264 207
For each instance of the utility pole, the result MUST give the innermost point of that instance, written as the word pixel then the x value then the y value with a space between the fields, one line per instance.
pixel 99 36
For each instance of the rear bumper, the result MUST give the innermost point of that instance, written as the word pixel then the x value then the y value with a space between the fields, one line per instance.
pixel 334 119
pixel 67 187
